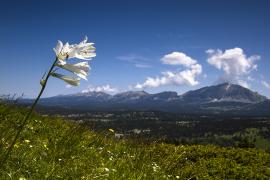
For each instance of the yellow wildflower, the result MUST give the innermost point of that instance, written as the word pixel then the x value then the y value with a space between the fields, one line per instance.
pixel 16 145
pixel 111 130
pixel 27 141
pixel 45 146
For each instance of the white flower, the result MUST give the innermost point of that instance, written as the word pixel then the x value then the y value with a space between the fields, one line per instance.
pixel 107 169
pixel 70 80
pixel 83 50
pixel 62 51
pixel 80 69
pixel 27 141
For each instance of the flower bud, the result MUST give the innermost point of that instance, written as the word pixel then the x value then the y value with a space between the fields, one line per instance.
pixel 42 82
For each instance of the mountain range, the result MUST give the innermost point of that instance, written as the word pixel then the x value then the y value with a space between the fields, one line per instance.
pixel 222 99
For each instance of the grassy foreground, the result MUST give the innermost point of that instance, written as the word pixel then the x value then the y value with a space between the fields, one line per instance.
pixel 56 149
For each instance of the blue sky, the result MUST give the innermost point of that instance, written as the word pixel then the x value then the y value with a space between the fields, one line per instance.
pixel 131 38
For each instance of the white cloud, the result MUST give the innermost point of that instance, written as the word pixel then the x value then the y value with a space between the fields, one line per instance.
pixel 250 78
pixel 185 77
pixel 178 58
pixel 243 83
pixel 137 60
pixel 131 58
pixel 234 63
pixel 68 86
pixel 265 84
pixel 105 88
pixel 142 65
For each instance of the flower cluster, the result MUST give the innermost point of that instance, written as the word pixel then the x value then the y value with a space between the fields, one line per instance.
pixel 84 50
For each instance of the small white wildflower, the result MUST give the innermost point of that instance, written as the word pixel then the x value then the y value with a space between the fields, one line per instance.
pixel 155 167
pixel 111 130
pixel 106 169
pixel 27 141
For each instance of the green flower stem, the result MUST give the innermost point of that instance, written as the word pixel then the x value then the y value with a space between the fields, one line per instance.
pixel 25 120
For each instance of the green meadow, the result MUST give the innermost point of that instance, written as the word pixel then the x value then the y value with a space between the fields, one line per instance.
pixel 53 148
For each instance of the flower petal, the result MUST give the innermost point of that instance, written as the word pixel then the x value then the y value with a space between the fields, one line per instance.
pixel 81 75
pixel 80 69
pixel 83 66
pixel 70 80
pixel 58 47
pixel 84 50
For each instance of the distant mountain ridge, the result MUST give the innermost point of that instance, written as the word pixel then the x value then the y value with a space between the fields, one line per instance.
pixel 219 99
pixel 223 92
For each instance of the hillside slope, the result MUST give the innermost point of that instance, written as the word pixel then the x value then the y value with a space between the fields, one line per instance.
pixel 56 149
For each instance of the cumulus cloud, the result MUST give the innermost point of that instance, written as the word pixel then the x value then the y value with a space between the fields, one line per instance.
pixel 265 84
pixel 184 77
pixel 234 63
pixel 104 88
pixel 236 80
pixel 178 58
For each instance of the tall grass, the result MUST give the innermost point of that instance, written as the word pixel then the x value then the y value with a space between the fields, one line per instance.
pixel 52 148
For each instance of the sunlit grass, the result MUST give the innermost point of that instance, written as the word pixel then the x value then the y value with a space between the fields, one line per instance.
pixel 56 149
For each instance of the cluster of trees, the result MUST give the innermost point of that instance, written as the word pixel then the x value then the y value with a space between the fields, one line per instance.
pixel 246 132
pixel 176 129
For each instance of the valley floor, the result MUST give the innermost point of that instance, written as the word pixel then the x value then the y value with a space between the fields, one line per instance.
pixel 53 148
